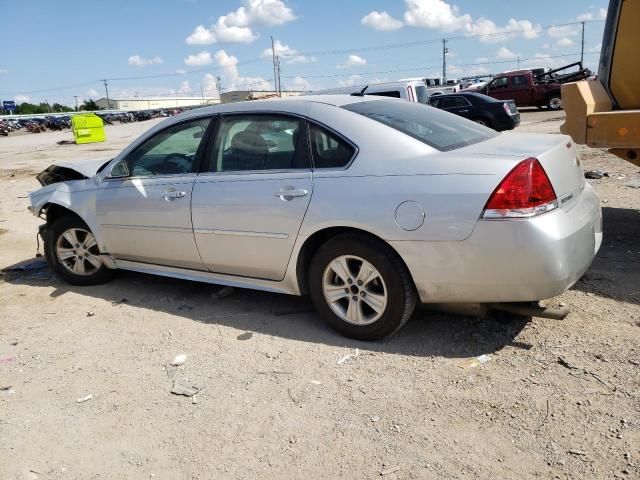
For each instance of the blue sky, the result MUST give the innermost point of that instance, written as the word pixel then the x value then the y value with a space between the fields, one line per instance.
pixel 54 50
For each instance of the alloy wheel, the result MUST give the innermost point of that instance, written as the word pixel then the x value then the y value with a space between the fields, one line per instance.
pixel 77 250
pixel 354 290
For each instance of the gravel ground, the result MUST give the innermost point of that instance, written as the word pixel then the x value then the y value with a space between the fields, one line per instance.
pixel 557 399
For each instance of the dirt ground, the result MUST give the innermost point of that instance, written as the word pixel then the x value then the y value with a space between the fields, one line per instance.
pixel 278 404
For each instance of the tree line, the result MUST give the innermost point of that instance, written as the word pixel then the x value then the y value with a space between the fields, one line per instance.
pixel 44 107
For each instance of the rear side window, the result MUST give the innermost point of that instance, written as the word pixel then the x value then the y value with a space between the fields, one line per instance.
pixel 328 150
pixel 440 130
pixel 518 80
pixel 421 93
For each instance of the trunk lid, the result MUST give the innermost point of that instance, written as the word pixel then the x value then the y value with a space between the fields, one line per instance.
pixel 556 153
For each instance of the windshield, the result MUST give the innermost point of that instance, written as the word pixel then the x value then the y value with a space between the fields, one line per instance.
pixel 438 129
pixel 421 93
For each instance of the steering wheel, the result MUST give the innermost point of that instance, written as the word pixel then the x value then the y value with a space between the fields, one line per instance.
pixel 183 165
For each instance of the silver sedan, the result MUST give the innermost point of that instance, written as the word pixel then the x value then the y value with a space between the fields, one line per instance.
pixel 369 205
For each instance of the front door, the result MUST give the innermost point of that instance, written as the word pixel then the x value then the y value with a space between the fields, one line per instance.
pixel 144 215
pixel 248 209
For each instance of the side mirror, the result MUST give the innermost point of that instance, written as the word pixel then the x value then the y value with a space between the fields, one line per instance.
pixel 119 170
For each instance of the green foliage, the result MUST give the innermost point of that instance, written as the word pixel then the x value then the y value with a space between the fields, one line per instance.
pixel 31 108
pixel 89 105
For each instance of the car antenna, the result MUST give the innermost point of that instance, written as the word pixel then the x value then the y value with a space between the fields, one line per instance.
pixel 361 94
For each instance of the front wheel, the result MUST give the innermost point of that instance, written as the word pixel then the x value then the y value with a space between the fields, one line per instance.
pixel 554 102
pixel 72 252
pixel 360 287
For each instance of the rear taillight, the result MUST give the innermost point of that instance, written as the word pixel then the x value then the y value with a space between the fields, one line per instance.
pixel 525 192
pixel 507 108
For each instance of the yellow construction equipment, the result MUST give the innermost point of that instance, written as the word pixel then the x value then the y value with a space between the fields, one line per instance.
pixel 606 112
pixel 88 128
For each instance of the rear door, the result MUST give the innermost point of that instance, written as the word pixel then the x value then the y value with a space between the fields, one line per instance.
pixel 247 210
pixel 458 105
pixel 520 90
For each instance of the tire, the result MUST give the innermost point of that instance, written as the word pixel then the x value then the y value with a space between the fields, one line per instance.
pixel 62 251
pixel 389 287
pixel 554 102
pixel 483 121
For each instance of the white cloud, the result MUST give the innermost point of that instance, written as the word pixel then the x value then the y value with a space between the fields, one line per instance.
pixel 139 61
pixel 505 54
pixel 353 61
pixel 199 59
pixel 440 15
pixel 235 27
pixel 184 87
pixel 92 92
pixel 596 48
pixel 3 71
pixel 181 71
pixel 232 78
pixel 290 55
pixel 381 21
pixel 482 60
pixel 600 14
pixel 565 42
pixel 351 81
pixel 299 83
pixel 21 98
pixel 563 31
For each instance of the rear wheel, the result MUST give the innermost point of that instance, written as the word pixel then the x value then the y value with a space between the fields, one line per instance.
pixel 482 121
pixel 554 102
pixel 360 287
pixel 72 251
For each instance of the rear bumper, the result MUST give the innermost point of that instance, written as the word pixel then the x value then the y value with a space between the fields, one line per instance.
pixel 507 122
pixel 509 260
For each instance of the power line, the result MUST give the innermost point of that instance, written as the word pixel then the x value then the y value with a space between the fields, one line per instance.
pixel 316 53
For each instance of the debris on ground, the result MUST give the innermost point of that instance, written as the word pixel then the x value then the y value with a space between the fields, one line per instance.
pixel 13 342
pixel 595 174
pixel 7 359
pixel 181 386
pixel 5 387
pixel 580 453
pixel 245 336
pixel 347 357
pixel 119 302
pixel 389 471
pixel 85 398
pixel 475 362
pixel 90 314
pixel 566 364
pixel 633 183
pixel 178 360
pixel 223 293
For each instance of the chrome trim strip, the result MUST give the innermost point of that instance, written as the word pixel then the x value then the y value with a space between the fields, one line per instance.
pixel 241 233
pixel 152 228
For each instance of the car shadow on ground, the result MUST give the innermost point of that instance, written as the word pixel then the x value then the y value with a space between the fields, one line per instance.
pixel 427 333
pixel 615 272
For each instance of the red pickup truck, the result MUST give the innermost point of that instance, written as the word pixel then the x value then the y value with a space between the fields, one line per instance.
pixel 528 88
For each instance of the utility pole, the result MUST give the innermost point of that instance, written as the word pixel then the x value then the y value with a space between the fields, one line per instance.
pixel 77 108
pixel 582 49
pixel 445 50
pixel 106 89
pixel 279 88
pixel 275 68
pixel 202 93
pixel 518 62
pixel 219 87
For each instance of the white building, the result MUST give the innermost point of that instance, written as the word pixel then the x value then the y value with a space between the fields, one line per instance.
pixel 154 103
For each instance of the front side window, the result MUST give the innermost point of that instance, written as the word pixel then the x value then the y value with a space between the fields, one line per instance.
pixel 260 142
pixel 422 94
pixel 328 150
pixel 171 151
pixel 459 102
pixel 438 129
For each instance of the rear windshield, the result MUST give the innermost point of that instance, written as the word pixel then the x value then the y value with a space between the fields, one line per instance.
pixel 441 130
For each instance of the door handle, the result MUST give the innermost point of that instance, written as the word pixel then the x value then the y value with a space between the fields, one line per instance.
pixel 171 195
pixel 288 193
pixel 464 111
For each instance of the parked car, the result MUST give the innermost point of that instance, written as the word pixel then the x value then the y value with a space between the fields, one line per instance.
pixel 413 90
pixel 530 89
pixel 497 114
pixel 368 204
